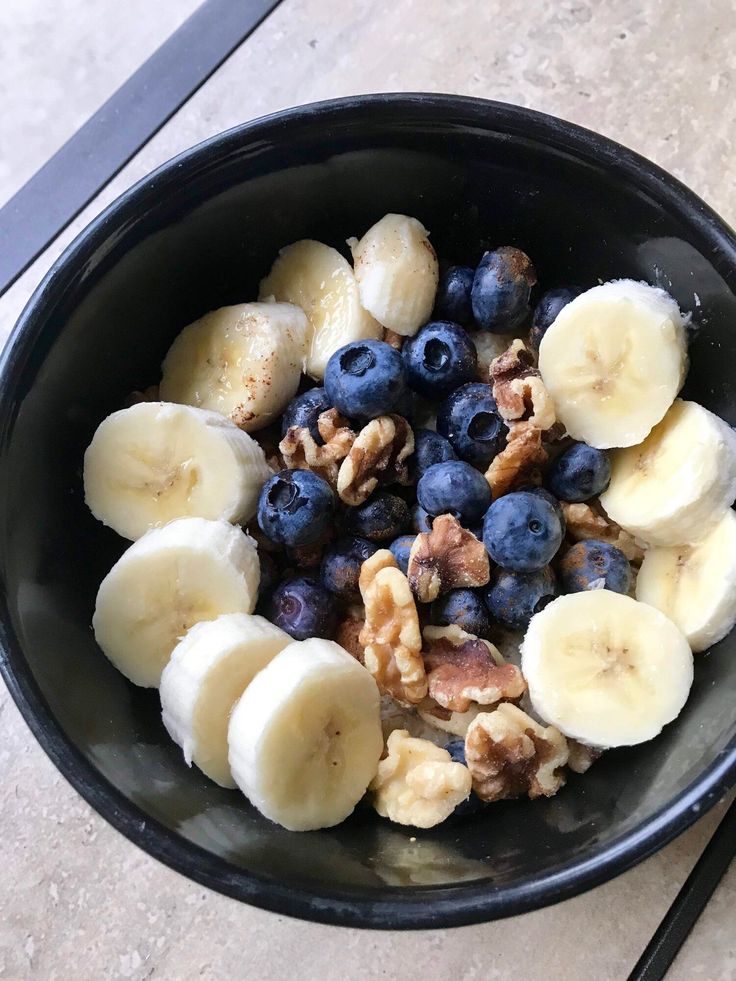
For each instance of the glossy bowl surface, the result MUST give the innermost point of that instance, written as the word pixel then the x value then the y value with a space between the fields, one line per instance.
pixel 199 233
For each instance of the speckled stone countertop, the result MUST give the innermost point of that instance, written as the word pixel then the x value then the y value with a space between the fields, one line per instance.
pixel 76 899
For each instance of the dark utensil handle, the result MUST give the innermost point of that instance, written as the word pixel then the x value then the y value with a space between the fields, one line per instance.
pixel 690 902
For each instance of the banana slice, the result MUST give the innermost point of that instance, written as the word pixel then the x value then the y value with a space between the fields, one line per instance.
pixel 305 738
pixel 605 669
pixel 243 361
pixel 397 273
pixel 613 361
pixel 675 486
pixel 695 585
pixel 157 461
pixel 320 281
pixel 190 570
pixel 209 670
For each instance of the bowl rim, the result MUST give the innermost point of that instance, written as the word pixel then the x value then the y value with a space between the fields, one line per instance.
pixel 386 907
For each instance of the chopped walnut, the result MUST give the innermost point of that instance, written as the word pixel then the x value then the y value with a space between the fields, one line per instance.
pixel 519 462
pixel 301 451
pixel 395 340
pixel 391 637
pixel 379 453
pixel 348 636
pixel 509 754
pixel 581 757
pixel 462 669
pixel 150 394
pixel 518 388
pixel 585 522
pixel 447 557
pixel 456 723
pixel 418 783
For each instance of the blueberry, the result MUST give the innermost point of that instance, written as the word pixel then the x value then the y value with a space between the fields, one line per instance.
pixel 269 576
pixel 587 563
pixel 401 548
pixel 545 312
pixel 473 804
pixel 543 492
pixel 341 565
pixel 381 518
pixel 295 507
pixel 365 379
pixel 463 607
pixel 501 288
pixel 429 448
pixel 421 522
pixel 406 405
pixel 303 609
pixel 454 488
pixel 304 410
pixel 514 597
pixel 470 420
pixel 439 358
pixel 579 473
pixel 522 531
pixel 453 295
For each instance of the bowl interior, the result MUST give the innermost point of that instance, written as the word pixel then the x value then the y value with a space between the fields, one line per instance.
pixel 200 235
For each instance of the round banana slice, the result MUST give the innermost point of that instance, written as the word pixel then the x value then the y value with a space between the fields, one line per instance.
pixel 397 273
pixel 319 280
pixel 209 670
pixel 243 361
pixel 613 361
pixel 305 737
pixel 605 669
pixel 695 585
pixel 190 570
pixel 679 482
pixel 157 461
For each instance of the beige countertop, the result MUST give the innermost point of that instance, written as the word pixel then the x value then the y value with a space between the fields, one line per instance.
pixel 76 899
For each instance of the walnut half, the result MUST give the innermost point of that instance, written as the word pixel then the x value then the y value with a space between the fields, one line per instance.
pixel 584 523
pixel 463 669
pixel 447 557
pixel 518 388
pixel 379 453
pixel 509 754
pixel 391 637
pixel 519 462
pixel 300 450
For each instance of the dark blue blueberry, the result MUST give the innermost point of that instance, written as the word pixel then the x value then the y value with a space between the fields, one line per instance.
pixel 401 548
pixel 429 448
pixel 304 410
pixel 522 531
pixel 469 419
pixel 514 597
pixel 454 488
pixel 269 575
pixel 406 406
pixel 545 312
pixel 501 288
pixel 588 563
pixel 463 607
pixel 296 507
pixel 341 565
pixel 473 804
pixel 365 379
pixel 453 295
pixel 579 473
pixel 303 608
pixel 380 519
pixel 421 522
pixel 438 359
pixel 543 492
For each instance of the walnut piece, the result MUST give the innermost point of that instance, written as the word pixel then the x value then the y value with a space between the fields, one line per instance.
pixel 518 388
pixel 300 450
pixel 581 757
pixel 395 340
pixel 447 557
pixel 519 462
pixel 348 636
pixel 379 453
pixel 418 783
pixel 462 669
pixel 509 754
pixel 391 637
pixel 585 522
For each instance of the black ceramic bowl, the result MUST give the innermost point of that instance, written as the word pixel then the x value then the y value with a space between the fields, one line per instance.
pixel 199 233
